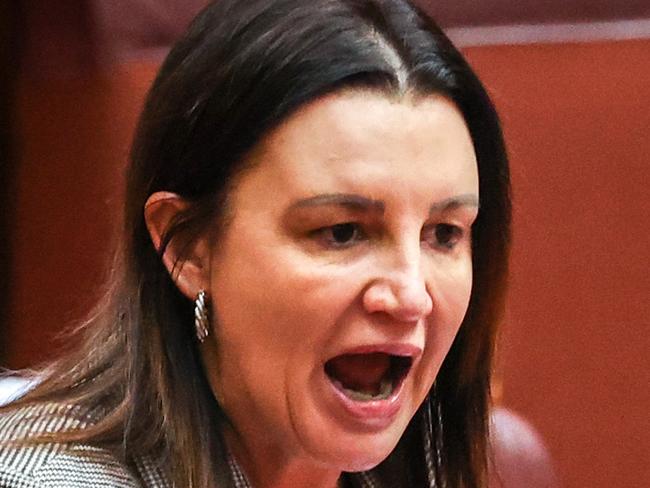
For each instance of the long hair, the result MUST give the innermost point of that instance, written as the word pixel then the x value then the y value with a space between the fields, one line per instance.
pixel 241 69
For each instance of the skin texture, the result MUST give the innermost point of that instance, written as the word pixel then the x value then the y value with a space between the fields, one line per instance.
pixel 289 292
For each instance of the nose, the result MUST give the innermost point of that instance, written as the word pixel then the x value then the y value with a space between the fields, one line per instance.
pixel 400 291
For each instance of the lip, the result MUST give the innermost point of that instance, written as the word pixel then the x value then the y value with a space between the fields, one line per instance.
pixel 395 349
pixel 374 414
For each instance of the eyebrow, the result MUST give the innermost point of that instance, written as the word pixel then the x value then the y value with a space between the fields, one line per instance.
pixel 466 200
pixel 360 203
pixel 347 200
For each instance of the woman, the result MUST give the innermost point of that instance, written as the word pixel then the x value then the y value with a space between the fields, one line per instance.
pixel 306 292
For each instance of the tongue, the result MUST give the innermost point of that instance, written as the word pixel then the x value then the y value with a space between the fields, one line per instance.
pixel 360 372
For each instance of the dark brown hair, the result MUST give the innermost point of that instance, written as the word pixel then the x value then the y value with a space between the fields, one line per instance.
pixel 241 69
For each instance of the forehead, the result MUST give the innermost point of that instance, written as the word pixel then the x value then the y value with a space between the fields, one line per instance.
pixel 359 141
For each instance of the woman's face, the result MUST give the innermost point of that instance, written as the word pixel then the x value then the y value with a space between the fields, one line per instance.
pixel 343 276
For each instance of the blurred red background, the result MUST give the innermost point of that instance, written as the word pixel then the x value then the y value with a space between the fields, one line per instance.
pixel 575 345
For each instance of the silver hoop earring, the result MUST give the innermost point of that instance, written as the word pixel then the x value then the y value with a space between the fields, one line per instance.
pixel 201 322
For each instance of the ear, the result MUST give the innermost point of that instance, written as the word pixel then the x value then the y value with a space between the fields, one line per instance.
pixel 192 273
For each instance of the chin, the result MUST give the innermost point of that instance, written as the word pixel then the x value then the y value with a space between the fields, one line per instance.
pixel 355 451
pixel 365 461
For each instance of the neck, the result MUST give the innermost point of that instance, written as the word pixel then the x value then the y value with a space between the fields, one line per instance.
pixel 267 466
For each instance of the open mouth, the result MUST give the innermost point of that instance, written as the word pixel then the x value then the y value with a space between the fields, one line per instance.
pixel 368 377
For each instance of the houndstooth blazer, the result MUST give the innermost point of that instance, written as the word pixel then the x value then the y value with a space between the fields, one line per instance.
pixel 84 466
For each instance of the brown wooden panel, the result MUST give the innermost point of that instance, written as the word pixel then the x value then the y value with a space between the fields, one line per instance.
pixel 73 138
pixel 575 349
pixel 141 28
pixel 499 12
pixel 58 38
pixel 71 36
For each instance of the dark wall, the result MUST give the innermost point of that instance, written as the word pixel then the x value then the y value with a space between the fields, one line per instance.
pixel 576 116
pixel 499 12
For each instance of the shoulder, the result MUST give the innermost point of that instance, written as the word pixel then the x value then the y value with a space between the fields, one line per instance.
pixel 58 465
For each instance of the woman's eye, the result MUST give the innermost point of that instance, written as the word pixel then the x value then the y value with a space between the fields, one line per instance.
pixel 340 235
pixel 445 235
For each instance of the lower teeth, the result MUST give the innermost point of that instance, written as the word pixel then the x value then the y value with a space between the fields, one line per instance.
pixel 385 389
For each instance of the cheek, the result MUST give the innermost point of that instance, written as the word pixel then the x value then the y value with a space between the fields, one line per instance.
pixel 451 295
pixel 453 292
pixel 276 301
